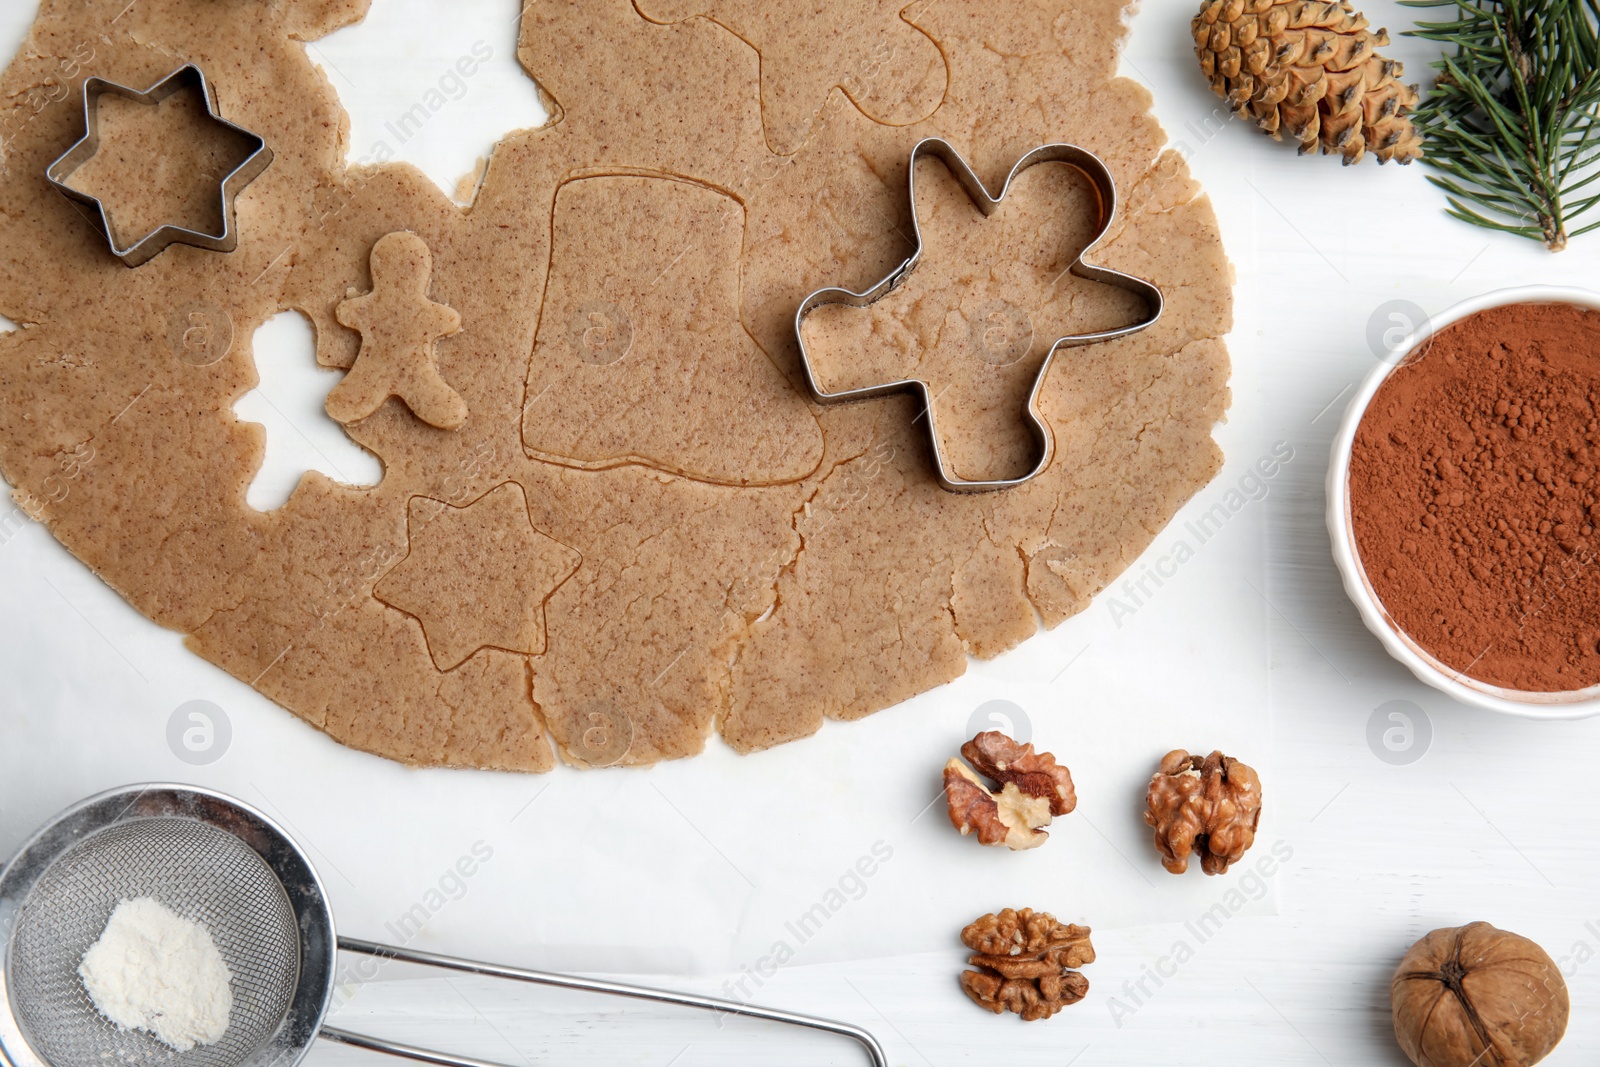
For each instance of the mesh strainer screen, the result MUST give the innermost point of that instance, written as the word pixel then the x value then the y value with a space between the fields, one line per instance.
pixel 203 874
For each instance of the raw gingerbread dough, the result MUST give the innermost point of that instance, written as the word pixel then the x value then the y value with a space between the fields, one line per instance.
pixel 169 193
pixel 889 67
pixel 978 316
pixel 399 326
pixel 613 554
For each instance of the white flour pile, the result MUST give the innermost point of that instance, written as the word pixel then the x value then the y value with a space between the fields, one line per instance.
pixel 152 970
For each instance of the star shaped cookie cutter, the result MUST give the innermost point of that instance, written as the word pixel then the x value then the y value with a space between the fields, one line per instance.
pixel 153 244
pixel 1086 163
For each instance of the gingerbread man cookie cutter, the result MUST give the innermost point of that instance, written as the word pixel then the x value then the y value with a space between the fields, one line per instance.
pixel 1091 167
pixel 159 240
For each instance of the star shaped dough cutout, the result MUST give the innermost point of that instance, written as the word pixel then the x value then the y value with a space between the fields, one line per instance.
pixel 399 326
pixel 888 67
pixel 478 576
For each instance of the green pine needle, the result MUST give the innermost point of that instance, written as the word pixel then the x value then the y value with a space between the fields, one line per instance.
pixel 1511 124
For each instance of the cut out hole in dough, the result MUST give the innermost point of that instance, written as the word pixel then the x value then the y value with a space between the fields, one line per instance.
pixel 438 94
pixel 289 404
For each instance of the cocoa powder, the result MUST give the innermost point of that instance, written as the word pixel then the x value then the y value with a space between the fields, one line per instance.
pixel 1473 496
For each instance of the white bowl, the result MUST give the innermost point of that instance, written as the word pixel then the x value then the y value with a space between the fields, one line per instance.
pixel 1573 704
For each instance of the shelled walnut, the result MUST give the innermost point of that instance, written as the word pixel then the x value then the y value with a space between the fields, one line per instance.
pixel 1032 790
pixel 1025 962
pixel 1209 807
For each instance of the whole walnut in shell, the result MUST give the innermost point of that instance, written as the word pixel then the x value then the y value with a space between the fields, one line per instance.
pixel 1475 996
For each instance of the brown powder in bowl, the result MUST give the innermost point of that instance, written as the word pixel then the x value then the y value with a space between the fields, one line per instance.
pixel 1473 495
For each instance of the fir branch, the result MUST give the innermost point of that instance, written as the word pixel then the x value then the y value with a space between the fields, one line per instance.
pixel 1512 124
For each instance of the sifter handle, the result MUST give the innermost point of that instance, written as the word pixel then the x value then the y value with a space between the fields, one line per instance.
pixel 661 996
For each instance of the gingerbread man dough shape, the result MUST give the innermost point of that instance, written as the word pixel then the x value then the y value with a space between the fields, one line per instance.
pixel 399 325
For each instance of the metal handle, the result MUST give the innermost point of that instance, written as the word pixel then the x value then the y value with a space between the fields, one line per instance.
pixel 661 996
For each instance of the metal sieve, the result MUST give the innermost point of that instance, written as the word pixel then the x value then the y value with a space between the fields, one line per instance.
pixel 213 860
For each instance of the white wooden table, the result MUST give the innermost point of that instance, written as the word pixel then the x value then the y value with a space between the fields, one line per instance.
pixel 1483 818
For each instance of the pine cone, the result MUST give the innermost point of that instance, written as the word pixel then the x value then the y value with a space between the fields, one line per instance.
pixel 1309 69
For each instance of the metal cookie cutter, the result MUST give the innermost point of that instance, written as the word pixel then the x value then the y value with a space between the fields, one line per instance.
pixel 153 244
pixel 1092 168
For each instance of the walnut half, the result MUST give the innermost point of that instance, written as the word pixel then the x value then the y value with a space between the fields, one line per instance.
pixel 1032 790
pixel 1024 962
pixel 1209 807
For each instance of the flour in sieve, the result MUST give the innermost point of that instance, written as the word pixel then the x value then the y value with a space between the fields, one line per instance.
pixel 155 971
